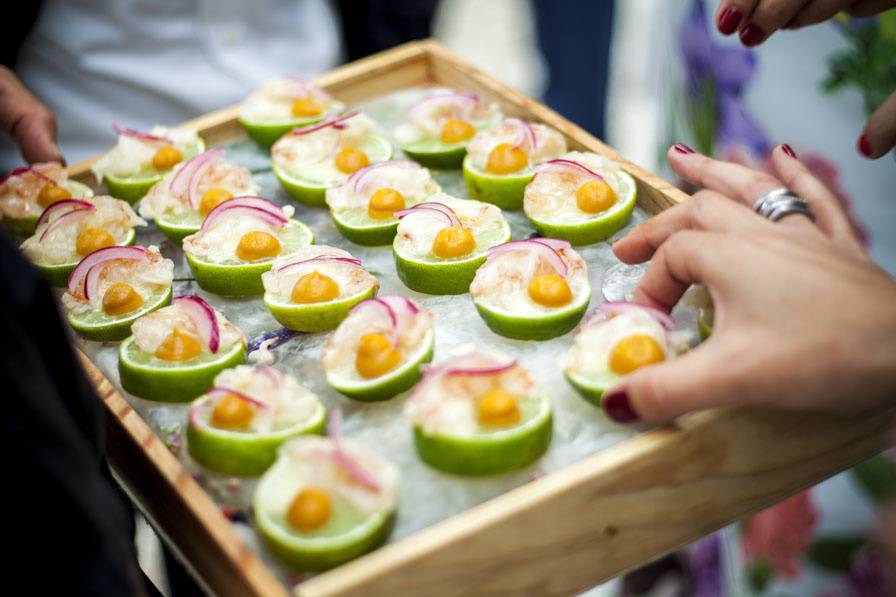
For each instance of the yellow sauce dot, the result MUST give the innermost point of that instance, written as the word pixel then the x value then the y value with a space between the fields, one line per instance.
pixel 232 413
pixel 309 510
pixel 121 298
pixel 376 356
pixel 506 159
pixel 350 159
pixel 497 408
pixel 212 198
pixel 384 203
pixel 595 196
pixel 257 245
pixel 550 290
pixel 453 241
pixel 305 107
pixel 456 130
pixel 178 346
pixel 93 239
pixel 166 157
pixel 52 193
pixel 315 288
pixel 634 352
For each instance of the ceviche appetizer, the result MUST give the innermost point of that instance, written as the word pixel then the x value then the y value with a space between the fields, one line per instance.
pixel 325 501
pixel 532 289
pixel 440 242
pixel 281 105
pixel 139 159
pixel 501 161
pixel 615 341
pixel 376 352
pixel 239 240
pixel 479 413
pixel 236 426
pixel 581 197
pixel 26 192
pixel 313 289
pixel 438 127
pixel 363 208
pixel 187 194
pixel 308 160
pixel 113 287
pixel 71 229
pixel 174 353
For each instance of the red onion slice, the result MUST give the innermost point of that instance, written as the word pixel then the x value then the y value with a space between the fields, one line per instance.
pixel 551 255
pixel 386 309
pixel 62 205
pixel 362 178
pixel 79 276
pixel 25 170
pixel 203 317
pixel 561 164
pixel 223 391
pixel 557 244
pixel 342 459
pixel 617 307
pixel 466 97
pixel 429 206
pixel 143 136
pixel 76 213
pixel 335 121
pixel 331 257
pixel 182 182
pixel 403 213
pixel 272 374
pixel 273 215
pixel 474 363
pixel 525 134
pixel 401 303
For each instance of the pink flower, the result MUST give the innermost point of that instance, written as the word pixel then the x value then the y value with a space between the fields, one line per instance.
pixel 781 534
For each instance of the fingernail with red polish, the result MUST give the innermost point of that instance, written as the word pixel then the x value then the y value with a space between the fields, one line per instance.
pixel 681 148
pixel 788 150
pixel 864 146
pixel 617 406
pixel 729 20
pixel 751 35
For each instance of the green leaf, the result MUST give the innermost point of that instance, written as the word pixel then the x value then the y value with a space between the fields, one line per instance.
pixel 760 574
pixel 834 553
pixel 887 24
pixel 877 477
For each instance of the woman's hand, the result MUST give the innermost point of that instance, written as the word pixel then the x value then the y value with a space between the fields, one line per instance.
pixel 803 318
pixel 30 123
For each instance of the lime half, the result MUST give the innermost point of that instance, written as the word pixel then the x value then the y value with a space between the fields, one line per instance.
pixel 314 317
pixel 133 188
pixel 58 274
pixel 361 230
pixel 534 327
pixel 266 134
pixel 504 190
pixel 586 388
pixel 491 453
pixel 392 383
pixel 240 453
pixel 146 376
pixel 433 153
pixel 179 226
pixel 26 225
pixel 244 279
pixel 97 325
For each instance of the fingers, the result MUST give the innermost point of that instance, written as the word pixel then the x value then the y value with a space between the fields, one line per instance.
pixel 817 11
pixel 768 17
pixel 731 13
pixel 869 8
pixel 27 120
pixel 879 135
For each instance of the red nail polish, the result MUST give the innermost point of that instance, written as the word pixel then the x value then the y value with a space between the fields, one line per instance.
pixel 729 20
pixel 788 150
pixel 681 148
pixel 751 35
pixel 617 407
pixel 864 146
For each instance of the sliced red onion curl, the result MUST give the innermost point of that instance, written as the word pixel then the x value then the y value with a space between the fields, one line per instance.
pixel 474 364
pixel 272 374
pixel 286 267
pixel 143 136
pixel 224 391
pixel 543 250
pixel 335 121
pixel 525 134
pixel 74 214
pixel 384 308
pixel 60 206
pixel 562 164
pixel 270 214
pixel 181 182
pixel 427 208
pixel 85 276
pixel 618 307
pixel 360 179
pixel 25 170
pixel 342 459
pixel 203 317
pixel 466 97
pixel 401 303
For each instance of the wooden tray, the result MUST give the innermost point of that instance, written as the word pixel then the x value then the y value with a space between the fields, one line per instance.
pixel 558 535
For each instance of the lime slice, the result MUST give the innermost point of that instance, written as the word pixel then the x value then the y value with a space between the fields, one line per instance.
pixel 244 279
pixel 308 187
pixel 240 453
pixel 586 388
pixel 534 327
pixel 267 133
pixel 344 537
pixel 151 378
pixel 444 276
pixel 596 228
pixel 58 274
pixel 97 325
pixel 133 188
pixel 179 226
pixel 491 452
pixel 433 153
pixel 504 190
pixel 392 383
pixel 705 322
pixel 26 225
pixel 361 230
pixel 314 317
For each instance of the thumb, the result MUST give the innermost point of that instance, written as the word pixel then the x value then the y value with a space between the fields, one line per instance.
pixel 879 135
pixel 35 134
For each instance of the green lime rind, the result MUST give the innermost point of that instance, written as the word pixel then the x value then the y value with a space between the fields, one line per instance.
pixel 58 274
pixel 505 191
pixel 596 229
pixel 391 384
pixel 151 378
pixel 540 327
pixel 268 134
pixel 488 454
pixel 312 192
pixel 178 231
pixel 97 326
pixel 585 388
pixel 244 279
pixel 374 235
pixel 134 188
pixel 435 154
pixel 315 317
pixel 243 454
pixel 704 323
pixel 25 226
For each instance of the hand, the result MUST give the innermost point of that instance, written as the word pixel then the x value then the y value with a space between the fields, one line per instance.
pixel 28 121
pixel 804 319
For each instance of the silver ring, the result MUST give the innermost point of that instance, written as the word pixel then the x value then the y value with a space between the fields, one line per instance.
pixel 781 202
